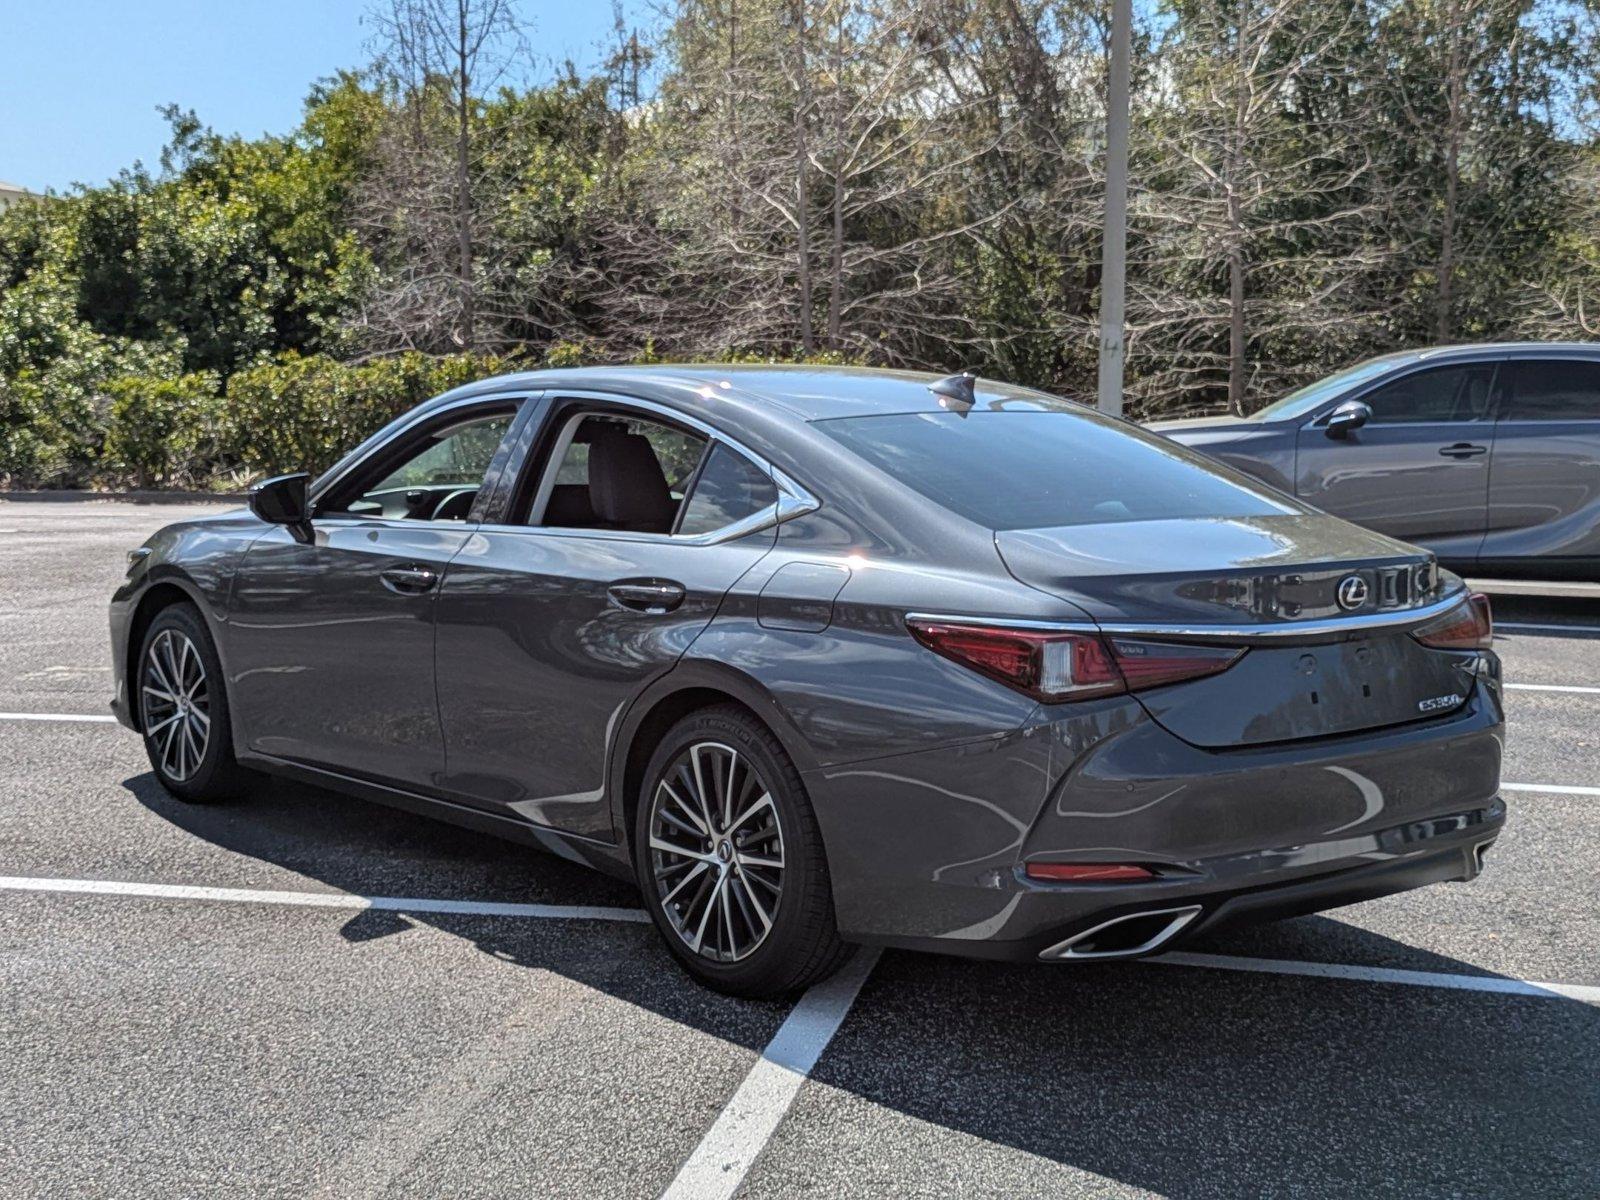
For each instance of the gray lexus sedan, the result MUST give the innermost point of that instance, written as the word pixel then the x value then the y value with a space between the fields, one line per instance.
pixel 826 657
pixel 1487 455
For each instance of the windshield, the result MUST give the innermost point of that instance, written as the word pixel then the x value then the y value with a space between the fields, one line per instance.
pixel 1298 404
pixel 1037 470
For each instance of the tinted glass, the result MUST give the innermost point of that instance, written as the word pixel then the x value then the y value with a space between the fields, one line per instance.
pixel 1445 394
pixel 1313 395
pixel 1554 391
pixel 1024 470
pixel 730 488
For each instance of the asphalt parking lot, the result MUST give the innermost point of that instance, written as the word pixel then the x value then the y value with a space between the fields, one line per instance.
pixel 300 994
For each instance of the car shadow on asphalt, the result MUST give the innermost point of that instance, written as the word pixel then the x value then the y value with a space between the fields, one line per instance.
pixel 1181 1081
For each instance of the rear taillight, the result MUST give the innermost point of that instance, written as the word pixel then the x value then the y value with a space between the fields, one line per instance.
pixel 1056 666
pixel 1467 626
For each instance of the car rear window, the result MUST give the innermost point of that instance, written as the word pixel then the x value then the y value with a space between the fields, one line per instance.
pixel 1035 470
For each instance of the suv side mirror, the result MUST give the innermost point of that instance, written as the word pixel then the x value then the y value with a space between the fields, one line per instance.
pixel 1350 415
pixel 282 501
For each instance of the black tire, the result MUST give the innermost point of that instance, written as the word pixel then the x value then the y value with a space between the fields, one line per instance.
pixel 177 657
pixel 800 945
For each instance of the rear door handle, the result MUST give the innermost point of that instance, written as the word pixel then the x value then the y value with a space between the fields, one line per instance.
pixel 647 595
pixel 1463 450
pixel 409 580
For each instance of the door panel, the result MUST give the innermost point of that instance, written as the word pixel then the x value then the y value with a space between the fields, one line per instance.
pixel 331 646
pixel 538 657
pixel 1419 470
pixel 1544 489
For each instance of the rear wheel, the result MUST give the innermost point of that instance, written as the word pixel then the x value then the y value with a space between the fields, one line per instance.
pixel 730 858
pixel 183 708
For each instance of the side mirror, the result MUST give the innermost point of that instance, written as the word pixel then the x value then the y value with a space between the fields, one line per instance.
pixel 1350 415
pixel 282 501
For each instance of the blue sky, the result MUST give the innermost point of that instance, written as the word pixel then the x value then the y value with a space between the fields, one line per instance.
pixel 80 80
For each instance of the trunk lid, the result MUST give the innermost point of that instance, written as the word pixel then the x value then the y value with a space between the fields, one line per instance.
pixel 1254 573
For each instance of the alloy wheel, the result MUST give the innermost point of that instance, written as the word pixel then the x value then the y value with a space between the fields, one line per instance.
pixel 176 698
pixel 716 852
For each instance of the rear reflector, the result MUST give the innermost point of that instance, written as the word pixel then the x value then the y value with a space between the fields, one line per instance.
pixel 1086 872
pixel 1055 666
pixel 1467 626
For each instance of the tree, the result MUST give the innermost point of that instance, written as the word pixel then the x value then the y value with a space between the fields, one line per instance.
pixel 440 57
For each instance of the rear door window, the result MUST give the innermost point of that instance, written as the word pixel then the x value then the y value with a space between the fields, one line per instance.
pixel 618 472
pixel 1554 391
pixel 1443 394
pixel 1035 470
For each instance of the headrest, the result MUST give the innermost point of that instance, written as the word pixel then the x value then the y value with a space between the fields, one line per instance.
pixel 626 483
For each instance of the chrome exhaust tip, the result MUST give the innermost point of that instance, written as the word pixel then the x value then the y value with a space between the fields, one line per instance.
pixel 1127 936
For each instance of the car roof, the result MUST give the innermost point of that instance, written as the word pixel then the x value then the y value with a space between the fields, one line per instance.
pixel 807 393
pixel 1470 350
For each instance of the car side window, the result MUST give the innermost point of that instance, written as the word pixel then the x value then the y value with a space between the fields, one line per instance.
pixel 617 472
pixel 729 488
pixel 1443 394
pixel 1554 391
pixel 437 479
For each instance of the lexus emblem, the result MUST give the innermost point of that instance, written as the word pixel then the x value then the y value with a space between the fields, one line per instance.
pixel 1352 592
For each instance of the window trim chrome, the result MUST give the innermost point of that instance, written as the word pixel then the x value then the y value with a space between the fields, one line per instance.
pixel 1275 633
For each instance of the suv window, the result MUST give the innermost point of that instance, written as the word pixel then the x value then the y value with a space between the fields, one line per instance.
pixel 437 479
pixel 730 488
pixel 1554 391
pixel 1444 394
pixel 619 473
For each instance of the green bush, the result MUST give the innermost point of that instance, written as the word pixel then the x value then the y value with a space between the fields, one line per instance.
pixel 301 413
pixel 165 432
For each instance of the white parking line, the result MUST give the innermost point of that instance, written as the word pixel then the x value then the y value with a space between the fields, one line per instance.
pixel 1551 789
pixel 1433 979
pixel 1551 687
pixel 97 718
pixel 167 891
pixel 724 1156
pixel 1535 628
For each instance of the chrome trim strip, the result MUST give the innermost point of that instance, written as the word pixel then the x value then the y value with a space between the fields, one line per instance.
pixel 1284 631
pixel 1180 918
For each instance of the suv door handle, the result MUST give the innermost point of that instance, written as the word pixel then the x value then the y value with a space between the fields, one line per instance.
pixel 1463 450
pixel 647 595
pixel 409 580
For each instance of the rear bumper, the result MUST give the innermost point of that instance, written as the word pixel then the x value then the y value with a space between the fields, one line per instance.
pixel 927 851
pixel 1453 856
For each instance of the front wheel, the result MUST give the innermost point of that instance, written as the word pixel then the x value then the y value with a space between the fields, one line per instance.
pixel 731 861
pixel 183 708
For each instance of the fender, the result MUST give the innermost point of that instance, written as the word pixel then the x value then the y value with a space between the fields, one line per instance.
pixel 688 675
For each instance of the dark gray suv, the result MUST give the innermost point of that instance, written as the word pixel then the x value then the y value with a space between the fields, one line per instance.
pixel 1487 455
pixel 820 657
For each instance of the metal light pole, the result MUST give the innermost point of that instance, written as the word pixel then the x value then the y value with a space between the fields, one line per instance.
pixel 1113 272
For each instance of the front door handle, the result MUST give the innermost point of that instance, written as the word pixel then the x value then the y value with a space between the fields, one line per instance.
pixel 647 595
pixel 1463 450
pixel 409 580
